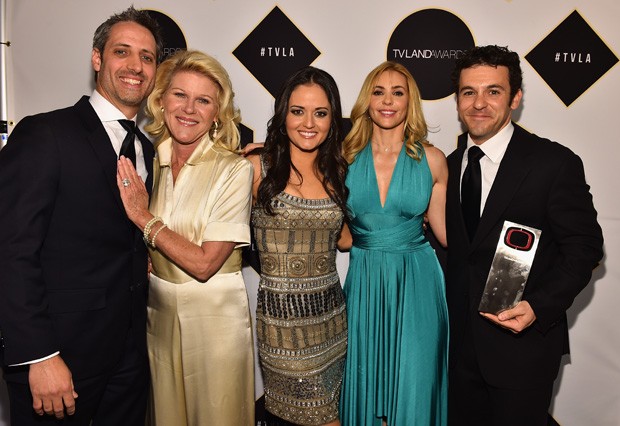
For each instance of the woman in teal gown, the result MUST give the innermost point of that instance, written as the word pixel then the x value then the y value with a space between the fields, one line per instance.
pixel 396 367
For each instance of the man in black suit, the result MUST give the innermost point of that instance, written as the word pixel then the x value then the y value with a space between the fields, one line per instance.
pixel 502 367
pixel 73 267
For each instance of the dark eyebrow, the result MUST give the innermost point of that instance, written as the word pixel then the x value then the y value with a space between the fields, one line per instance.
pixel 494 86
pixel 316 109
pixel 490 86
pixel 129 46
pixel 148 51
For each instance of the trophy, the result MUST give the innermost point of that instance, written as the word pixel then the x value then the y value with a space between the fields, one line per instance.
pixel 510 268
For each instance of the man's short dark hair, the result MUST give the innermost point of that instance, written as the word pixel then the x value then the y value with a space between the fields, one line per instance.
pixel 140 17
pixel 494 56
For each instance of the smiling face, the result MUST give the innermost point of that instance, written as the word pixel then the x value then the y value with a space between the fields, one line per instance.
pixel 389 100
pixel 190 106
pixel 309 117
pixel 483 101
pixel 126 69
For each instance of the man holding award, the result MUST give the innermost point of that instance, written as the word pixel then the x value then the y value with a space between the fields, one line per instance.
pixel 522 242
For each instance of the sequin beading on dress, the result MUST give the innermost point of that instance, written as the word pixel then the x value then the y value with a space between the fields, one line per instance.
pixel 301 316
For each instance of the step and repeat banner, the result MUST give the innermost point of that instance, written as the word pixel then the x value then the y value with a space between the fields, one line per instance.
pixel 569 52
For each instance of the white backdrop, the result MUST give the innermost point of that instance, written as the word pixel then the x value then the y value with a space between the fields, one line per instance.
pixel 49 67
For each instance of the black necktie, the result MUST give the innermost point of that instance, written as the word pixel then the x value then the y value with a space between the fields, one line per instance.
pixel 471 190
pixel 128 148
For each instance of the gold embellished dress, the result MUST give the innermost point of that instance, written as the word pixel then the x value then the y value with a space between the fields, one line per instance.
pixel 301 317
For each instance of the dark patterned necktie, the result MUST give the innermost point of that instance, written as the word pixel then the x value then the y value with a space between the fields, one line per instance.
pixel 128 148
pixel 471 190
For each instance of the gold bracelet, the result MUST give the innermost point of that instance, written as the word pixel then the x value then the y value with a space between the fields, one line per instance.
pixel 148 226
pixel 156 234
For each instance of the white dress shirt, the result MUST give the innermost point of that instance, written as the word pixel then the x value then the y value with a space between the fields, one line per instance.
pixel 494 150
pixel 109 116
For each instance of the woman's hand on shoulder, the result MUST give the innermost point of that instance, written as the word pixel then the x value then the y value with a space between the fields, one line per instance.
pixel 247 150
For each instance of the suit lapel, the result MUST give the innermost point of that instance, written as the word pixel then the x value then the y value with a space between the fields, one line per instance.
pixel 101 144
pixel 454 212
pixel 512 170
pixel 149 153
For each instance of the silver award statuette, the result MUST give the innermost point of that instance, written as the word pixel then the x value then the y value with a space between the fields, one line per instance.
pixel 510 268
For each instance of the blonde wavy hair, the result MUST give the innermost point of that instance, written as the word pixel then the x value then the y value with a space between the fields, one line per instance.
pixel 227 135
pixel 416 129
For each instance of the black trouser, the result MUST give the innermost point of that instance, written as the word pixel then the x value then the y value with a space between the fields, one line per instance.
pixel 473 402
pixel 117 398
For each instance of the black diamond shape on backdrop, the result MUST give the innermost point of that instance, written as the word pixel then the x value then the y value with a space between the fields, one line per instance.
pixel 572 58
pixel 274 50
pixel 347 125
pixel 247 135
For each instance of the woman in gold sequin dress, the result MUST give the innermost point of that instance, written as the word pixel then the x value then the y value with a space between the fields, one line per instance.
pixel 300 205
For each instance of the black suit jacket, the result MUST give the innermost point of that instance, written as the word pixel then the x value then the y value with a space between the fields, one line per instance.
pixel 73 268
pixel 540 184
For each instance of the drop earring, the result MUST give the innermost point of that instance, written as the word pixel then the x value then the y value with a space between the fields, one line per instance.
pixel 215 129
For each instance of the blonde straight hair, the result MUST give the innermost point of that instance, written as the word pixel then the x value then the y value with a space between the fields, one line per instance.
pixel 416 129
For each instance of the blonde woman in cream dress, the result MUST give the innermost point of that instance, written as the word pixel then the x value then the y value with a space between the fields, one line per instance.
pixel 199 327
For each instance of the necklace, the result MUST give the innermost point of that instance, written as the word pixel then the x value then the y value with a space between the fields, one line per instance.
pixel 382 148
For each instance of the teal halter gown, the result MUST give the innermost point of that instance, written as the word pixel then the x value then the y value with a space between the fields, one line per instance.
pixel 397 359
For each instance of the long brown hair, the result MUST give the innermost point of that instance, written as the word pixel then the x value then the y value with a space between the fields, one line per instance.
pixel 277 155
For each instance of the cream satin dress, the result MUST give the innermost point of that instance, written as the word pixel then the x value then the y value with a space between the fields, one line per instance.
pixel 200 333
